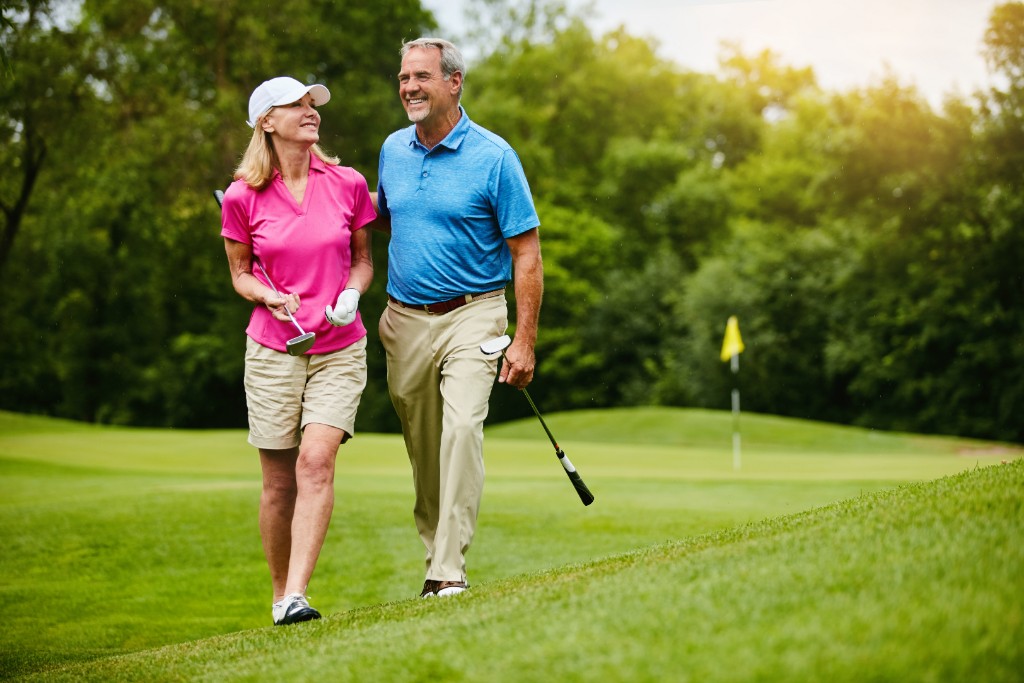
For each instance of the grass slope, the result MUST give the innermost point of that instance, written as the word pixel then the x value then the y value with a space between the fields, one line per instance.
pixel 712 430
pixel 920 583
pixel 161 524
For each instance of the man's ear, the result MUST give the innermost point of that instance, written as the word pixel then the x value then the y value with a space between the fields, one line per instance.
pixel 455 81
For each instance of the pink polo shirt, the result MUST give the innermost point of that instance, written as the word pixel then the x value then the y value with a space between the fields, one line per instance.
pixel 305 249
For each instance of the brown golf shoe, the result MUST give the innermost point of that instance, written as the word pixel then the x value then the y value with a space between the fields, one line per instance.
pixel 448 588
pixel 442 589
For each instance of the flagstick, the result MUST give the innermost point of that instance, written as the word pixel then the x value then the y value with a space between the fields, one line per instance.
pixel 735 362
pixel 732 347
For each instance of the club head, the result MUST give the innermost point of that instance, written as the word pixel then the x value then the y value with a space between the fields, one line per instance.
pixel 299 345
pixel 496 345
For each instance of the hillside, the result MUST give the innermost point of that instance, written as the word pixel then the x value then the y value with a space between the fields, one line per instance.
pixel 919 583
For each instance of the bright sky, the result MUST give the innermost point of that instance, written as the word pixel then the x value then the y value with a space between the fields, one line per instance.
pixel 934 45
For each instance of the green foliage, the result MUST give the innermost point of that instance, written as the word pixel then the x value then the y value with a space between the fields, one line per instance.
pixel 632 330
pixel 577 247
pixel 1004 43
pixel 869 244
pixel 563 104
pixel 667 196
pixel 121 119
pixel 779 283
pixel 767 84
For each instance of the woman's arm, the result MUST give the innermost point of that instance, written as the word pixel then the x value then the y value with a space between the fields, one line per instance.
pixel 249 287
pixel 361 274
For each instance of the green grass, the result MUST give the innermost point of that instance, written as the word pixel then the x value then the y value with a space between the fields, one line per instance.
pixel 126 540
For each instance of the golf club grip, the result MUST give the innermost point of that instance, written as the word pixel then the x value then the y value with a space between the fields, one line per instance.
pixel 219 196
pixel 577 481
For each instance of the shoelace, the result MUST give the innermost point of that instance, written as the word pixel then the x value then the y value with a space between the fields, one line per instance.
pixel 291 599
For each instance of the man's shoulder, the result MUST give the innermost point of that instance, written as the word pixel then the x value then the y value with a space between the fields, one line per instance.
pixel 487 137
pixel 400 137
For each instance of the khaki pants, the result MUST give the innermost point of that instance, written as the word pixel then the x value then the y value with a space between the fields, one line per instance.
pixel 440 384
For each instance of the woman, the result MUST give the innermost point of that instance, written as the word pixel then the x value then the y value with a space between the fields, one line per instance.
pixel 295 213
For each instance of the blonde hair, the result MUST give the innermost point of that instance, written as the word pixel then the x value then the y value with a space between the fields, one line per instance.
pixel 260 160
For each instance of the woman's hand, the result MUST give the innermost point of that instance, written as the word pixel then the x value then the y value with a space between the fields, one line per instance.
pixel 344 311
pixel 280 305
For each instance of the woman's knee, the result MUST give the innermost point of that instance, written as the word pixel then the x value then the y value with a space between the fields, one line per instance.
pixel 279 484
pixel 315 467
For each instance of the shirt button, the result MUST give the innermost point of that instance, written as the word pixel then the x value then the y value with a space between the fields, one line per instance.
pixel 424 174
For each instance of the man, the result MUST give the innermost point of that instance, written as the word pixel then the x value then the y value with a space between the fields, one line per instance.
pixel 462 221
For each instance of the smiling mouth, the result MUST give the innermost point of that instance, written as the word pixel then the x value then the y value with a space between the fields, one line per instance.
pixel 414 101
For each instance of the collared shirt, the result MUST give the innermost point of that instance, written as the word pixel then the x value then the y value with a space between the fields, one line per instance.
pixel 306 249
pixel 451 208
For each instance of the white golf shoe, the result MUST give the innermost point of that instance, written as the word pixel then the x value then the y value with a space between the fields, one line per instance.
pixel 292 609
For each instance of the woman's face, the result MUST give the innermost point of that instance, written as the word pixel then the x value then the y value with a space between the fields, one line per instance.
pixel 297 122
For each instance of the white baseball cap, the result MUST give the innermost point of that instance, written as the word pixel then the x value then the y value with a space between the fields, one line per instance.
pixel 282 90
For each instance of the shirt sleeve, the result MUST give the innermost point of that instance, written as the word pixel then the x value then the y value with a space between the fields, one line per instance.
pixel 513 201
pixel 362 205
pixel 382 198
pixel 234 216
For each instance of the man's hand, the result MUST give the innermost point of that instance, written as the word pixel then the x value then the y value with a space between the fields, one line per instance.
pixel 517 370
pixel 344 311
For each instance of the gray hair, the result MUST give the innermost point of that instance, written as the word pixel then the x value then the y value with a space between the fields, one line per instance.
pixel 451 56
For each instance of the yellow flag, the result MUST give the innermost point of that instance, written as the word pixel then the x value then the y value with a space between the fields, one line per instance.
pixel 732 344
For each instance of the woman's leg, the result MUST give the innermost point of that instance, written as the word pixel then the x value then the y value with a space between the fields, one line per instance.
pixel 277 510
pixel 313 502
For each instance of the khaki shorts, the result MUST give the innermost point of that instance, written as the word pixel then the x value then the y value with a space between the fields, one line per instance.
pixel 285 393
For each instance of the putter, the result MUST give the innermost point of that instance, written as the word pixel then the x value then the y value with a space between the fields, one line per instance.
pixel 498 345
pixel 296 345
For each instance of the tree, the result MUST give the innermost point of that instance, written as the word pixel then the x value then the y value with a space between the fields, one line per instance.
pixel 140 113
pixel 869 244
pixel 780 283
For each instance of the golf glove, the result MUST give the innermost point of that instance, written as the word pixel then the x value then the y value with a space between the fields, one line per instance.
pixel 344 311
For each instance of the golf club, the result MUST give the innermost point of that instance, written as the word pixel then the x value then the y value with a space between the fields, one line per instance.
pixel 296 345
pixel 498 345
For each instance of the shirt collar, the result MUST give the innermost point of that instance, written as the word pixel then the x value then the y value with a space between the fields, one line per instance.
pixel 455 136
pixel 315 164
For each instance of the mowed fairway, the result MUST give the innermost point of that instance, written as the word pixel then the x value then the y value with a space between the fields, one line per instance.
pixel 121 540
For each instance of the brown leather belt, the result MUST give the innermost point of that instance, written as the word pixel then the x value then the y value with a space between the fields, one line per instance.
pixel 442 307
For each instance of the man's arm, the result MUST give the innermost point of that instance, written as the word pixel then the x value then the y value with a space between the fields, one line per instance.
pixel 528 281
pixel 381 223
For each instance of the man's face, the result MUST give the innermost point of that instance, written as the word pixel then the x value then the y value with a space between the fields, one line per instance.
pixel 426 96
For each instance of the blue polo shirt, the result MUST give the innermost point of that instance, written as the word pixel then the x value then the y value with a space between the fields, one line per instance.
pixel 451 209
